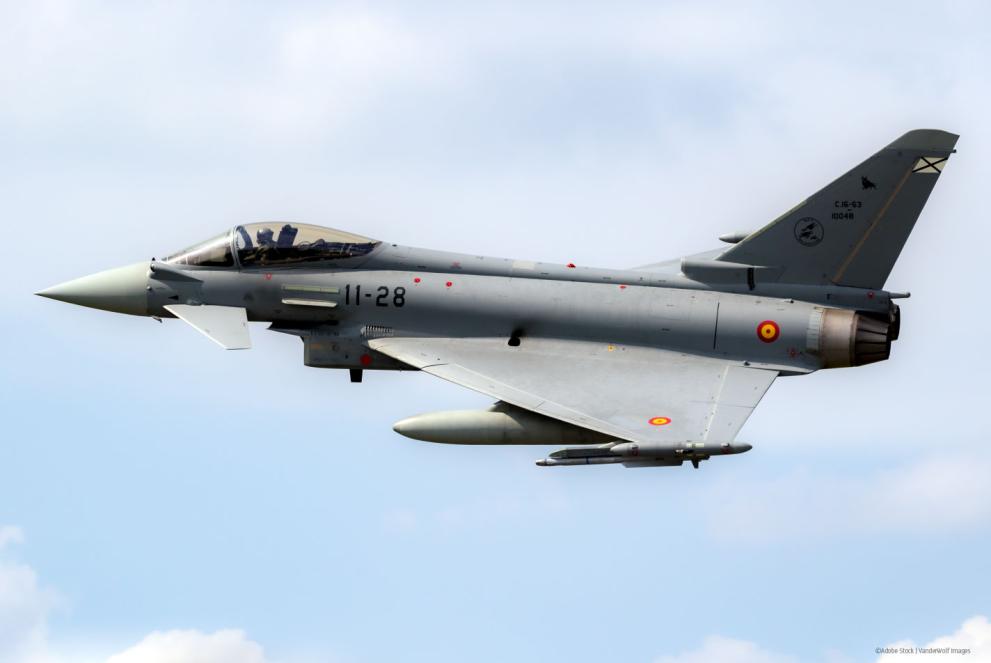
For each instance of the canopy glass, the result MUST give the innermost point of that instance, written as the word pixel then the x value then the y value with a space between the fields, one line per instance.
pixel 274 244
pixel 258 244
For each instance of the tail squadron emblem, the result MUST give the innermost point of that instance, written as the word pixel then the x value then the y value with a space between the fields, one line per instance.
pixel 867 184
pixel 808 231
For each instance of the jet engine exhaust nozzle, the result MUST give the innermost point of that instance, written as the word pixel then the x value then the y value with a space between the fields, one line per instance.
pixel 849 338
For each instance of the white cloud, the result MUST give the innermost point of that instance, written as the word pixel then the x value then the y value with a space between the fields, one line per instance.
pixel 24 606
pixel 974 636
pixel 329 67
pixel 10 534
pixel 304 71
pixel 934 494
pixel 356 45
pixel 726 650
pixel 697 34
pixel 296 73
pixel 190 646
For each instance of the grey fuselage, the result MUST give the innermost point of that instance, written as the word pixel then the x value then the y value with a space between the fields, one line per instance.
pixel 335 307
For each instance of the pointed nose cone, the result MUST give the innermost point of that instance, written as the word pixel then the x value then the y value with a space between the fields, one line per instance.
pixel 121 290
pixel 407 427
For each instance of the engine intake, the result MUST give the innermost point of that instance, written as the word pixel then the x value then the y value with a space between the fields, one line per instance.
pixel 853 338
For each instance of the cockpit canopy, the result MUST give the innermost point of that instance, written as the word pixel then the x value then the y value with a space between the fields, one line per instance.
pixel 258 244
pixel 274 244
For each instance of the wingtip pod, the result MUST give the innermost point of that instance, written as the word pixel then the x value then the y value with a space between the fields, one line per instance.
pixel 926 140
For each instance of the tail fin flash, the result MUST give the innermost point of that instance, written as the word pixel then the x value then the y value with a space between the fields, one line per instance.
pixel 851 232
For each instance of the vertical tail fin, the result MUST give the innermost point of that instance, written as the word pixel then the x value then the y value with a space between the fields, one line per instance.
pixel 852 231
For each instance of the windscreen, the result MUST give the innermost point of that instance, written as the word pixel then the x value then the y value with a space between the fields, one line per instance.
pixel 271 244
pixel 214 252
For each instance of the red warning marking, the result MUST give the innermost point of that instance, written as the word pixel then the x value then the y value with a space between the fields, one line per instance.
pixel 268 277
pixel 416 280
pixel 448 284
pixel 622 287
pixel 365 359
pixel 659 421
pixel 768 331
pixel 870 294
pixel 570 265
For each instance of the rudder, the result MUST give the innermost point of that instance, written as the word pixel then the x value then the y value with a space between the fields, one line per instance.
pixel 852 231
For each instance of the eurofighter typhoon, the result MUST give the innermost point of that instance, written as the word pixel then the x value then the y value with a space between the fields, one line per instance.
pixel 650 366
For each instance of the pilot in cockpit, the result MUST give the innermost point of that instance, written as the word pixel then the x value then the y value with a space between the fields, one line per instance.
pixel 265 238
pixel 295 243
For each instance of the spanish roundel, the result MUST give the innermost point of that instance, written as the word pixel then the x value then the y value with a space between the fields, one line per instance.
pixel 768 331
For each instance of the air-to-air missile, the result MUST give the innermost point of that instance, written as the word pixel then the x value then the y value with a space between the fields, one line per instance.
pixel 633 454
pixel 649 366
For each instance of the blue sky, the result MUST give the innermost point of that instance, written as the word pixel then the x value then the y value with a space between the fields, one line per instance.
pixel 161 500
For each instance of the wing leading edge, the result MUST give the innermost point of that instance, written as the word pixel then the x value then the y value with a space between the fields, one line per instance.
pixel 641 395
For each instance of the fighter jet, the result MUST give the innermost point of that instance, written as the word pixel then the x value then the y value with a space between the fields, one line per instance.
pixel 649 366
